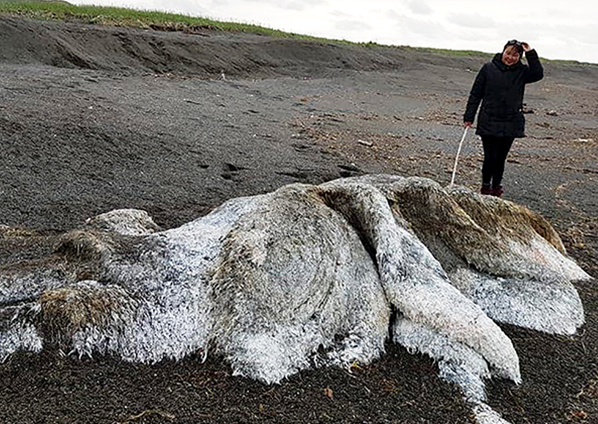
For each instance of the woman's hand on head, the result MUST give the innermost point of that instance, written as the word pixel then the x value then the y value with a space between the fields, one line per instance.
pixel 526 47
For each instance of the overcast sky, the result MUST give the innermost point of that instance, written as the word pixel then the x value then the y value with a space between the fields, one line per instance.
pixel 564 29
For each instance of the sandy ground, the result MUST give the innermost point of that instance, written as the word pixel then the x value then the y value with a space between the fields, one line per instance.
pixel 96 118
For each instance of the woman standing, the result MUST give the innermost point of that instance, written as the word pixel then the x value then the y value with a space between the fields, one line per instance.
pixel 499 86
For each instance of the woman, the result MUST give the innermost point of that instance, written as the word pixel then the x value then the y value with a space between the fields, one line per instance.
pixel 500 86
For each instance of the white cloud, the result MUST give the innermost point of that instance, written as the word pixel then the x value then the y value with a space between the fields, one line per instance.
pixel 471 20
pixel 298 5
pixel 351 25
pixel 420 7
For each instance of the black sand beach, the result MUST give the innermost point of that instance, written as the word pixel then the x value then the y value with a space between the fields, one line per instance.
pixel 99 118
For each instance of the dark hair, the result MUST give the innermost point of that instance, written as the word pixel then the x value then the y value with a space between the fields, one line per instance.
pixel 515 43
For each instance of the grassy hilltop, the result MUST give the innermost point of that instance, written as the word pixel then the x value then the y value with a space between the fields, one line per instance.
pixel 118 16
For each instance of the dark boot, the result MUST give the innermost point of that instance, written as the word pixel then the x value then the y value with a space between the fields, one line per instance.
pixel 486 189
pixel 497 191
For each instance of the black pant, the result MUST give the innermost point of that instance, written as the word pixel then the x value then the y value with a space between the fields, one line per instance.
pixel 496 150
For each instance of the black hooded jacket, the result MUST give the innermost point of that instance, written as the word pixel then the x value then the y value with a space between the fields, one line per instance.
pixel 500 88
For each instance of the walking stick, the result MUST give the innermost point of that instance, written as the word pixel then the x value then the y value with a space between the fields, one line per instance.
pixel 457 158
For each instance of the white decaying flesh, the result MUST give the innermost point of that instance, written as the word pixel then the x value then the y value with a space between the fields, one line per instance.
pixel 306 276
